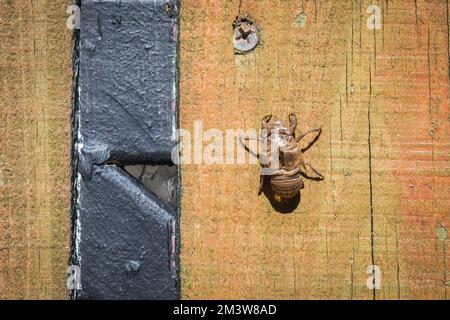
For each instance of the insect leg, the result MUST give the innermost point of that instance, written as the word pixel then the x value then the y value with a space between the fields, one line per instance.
pixel 265 129
pixel 261 184
pixel 265 121
pixel 319 132
pixel 319 175
pixel 246 147
pixel 292 122
pixel 291 172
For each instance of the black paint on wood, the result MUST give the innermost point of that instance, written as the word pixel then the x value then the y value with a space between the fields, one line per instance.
pixel 125 238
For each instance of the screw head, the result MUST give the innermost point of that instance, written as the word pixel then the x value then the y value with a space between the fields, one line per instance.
pixel 245 36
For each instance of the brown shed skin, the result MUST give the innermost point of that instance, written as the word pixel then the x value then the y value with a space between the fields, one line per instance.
pixel 35 139
pixel 382 98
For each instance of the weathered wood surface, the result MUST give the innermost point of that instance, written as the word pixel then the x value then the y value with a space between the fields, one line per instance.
pixel 382 97
pixel 35 104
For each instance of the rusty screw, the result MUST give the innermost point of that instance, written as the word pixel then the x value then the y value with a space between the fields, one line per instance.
pixel 245 37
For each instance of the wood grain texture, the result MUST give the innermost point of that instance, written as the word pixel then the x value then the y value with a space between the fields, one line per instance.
pixel 35 106
pixel 382 98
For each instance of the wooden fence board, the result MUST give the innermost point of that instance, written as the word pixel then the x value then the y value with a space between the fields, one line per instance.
pixel 35 106
pixel 382 99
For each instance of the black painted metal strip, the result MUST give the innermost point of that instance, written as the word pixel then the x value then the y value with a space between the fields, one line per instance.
pixel 125 239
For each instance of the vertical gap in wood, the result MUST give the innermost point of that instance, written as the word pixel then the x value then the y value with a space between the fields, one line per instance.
pixel 372 244
pixel 73 258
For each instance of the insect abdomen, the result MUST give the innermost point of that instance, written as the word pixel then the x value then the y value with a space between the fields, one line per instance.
pixel 287 187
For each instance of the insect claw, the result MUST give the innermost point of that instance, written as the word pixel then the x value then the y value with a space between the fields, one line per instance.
pixel 266 120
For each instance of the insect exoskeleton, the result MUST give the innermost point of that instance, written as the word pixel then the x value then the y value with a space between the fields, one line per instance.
pixel 288 169
pixel 286 187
